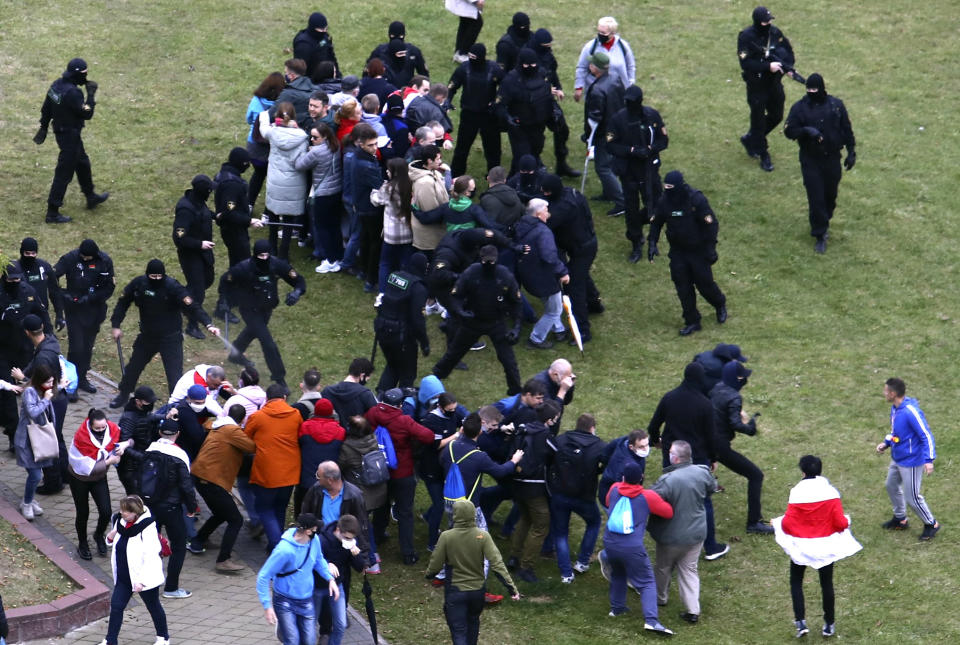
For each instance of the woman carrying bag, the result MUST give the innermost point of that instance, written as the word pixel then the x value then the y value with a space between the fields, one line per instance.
pixel 35 441
pixel 136 567
pixel 286 186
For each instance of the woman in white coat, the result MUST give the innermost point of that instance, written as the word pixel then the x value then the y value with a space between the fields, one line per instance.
pixel 286 186
pixel 136 567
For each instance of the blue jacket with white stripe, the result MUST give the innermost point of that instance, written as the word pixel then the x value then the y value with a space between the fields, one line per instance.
pixel 910 437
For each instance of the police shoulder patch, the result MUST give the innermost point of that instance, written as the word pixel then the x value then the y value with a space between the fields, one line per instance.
pixel 398 281
pixel 180 232
pixel 743 55
pixel 29 298
pixel 231 205
pixel 439 265
pixel 488 232
pixel 610 137
pixel 292 274
pixel 187 300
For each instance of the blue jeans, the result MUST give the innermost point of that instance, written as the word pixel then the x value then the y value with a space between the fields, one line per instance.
pixel 296 620
pixel 434 514
pixel 34 475
pixel 561 507
pixel 353 243
pixel 119 600
pixel 337 609
pixel 189 524
pixel 632 565
pixel 603 162
pixel 271 504
pixel 550 320
pixel 325 225
pixel 249 503
pixel 392 258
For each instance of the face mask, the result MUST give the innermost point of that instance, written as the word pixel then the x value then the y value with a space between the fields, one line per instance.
pixel 155 284
pixel 528 70
pixel 27 261
pixel 147 408
pixel 642 452
pixel 449 414
pixel 488 267
pixel 348 544
pixel 262 265
pixel 604 38
pixel 11 287
pixel 198 407
pixel 363 380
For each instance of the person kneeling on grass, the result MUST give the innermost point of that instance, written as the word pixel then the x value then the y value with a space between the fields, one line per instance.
pixel 290 567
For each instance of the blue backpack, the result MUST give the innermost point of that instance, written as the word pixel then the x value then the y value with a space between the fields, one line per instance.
pixel 69 371
pixel 385 443
pixel 453 487
pixel 621 517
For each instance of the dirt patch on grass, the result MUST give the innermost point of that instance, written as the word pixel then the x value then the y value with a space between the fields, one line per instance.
pixel 27 577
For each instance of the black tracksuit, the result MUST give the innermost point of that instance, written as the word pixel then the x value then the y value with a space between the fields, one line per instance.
pixel 636 139
pixel 399 327
pixel 757 47
pixel 193 225
pixel 480 81
pixel 66 107
pixel 727 405
pixel 89 284
pixel 526 105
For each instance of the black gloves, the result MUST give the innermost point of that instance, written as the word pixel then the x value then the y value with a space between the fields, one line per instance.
pixel 652 250
pixel 60 324
pixel 91 90
pixel 851 159
pixel 40 136
pixel 425 350
pixel 813 133
pixel 712 256
pixel 293 297
pixel 514 334
pixel 641 152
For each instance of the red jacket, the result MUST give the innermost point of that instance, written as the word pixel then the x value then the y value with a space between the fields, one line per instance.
pixel 402 430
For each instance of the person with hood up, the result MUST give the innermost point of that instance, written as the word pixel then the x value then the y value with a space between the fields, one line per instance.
pixel 686 413
pixel 314 45
pixel 403 484
pixel 714 359
pixel 525 103
pixel 542 44
pixel 463 553
pixel 291 568
pixel 479 79
pixel 527 178
pixel 66 106
pixel 517 37
pixel 399 66
pixel 275 429
pixel 729 419
pixel 361 441
pixel 815 533
pixel 820 125
pixel 286 186
pixel 139 424
pixel 542 273
pixel 400 326
pixel 398 31
pixel 624 557
pixel 233 213
pixel 39 274
pixel 214 474
pixel 692 232
pixel 321 437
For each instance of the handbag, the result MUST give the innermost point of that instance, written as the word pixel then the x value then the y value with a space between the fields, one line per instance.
pixel 43 439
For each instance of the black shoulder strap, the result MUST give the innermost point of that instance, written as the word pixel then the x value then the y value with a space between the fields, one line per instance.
pixel 290 573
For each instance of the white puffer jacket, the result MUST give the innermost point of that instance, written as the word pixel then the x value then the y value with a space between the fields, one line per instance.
pixel 143 554
pixel 286 186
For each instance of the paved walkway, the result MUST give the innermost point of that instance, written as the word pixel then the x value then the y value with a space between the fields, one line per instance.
pixel 223 608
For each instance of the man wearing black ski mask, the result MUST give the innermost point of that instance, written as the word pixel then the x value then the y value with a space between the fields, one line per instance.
pixel 692 232
pixel 398 31
pixel 39 274
pixel 516 38
pixel 635 137
pixel 819 123
pixel 480 78
pixel 66 106
pixel 232 206
pixel 252 285
pixel 314 45
pixel 525 105
pixel 764 53
pixel 542 45
pixel 161 300
pixel 193 237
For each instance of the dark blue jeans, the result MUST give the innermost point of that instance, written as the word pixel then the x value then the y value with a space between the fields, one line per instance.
pixel 325 226
pixel 392 258
pixel 118 602
pixel 633 565
pixel 434 514
pixel 561 507
pixel 271 504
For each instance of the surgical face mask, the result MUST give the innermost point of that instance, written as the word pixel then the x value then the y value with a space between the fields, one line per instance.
pixel 348 544
pixel 603 38
pixel 642 452
pixel 198 407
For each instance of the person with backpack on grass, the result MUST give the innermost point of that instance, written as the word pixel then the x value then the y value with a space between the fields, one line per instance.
pixel 578 459
pixel 445 420
pixel 633 448
pixel 364 465
pixel 321 437
pixel 624 557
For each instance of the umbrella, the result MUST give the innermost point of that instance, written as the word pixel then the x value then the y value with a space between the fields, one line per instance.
pixel 586 162
pixel 371 612
pixel 574 327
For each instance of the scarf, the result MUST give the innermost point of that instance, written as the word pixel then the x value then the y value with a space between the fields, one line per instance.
pixel 86 450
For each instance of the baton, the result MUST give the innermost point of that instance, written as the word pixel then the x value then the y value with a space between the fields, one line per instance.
pixel 287 224
pixel 123 368
pixel 586 162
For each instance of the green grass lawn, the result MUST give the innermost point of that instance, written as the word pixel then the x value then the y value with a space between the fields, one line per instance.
pixel 822 332
pixel 27 577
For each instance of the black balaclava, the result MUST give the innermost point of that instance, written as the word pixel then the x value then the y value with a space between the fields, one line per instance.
pixel 521 25
pixel 528 171
pixel 28 244
pixel 488 259
pixel 89 248
pixel 317 21
pixel 760 15
pixel 551 184
pixel 693 376
pixel 76 71
pixel 397 30
pixel 541 41
pixel 394 49
pixel 12 277
pixel 261 246
pixel 527 62
pixel 155 266
pixel 202 186
pixel 735 375
pixel 815 81
pixel 240 159
pixel 676 196
pixel 633 100
pixel 478 54
pixel 417 264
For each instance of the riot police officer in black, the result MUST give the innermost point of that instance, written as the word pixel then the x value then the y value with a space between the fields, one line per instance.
pixel 635 137
pixel 193 237
pixel 160 299
pixel 39 274
pixel 692 232
pixel 66 106
pixel 252 286
pixel 516 38
pixel 483 296
pixel 542 45
pixel 400 324
pixel 89 284
pixel 479 79
pixel 765 55
pixel 525 105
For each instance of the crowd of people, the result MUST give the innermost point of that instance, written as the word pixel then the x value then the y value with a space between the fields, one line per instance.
pixel 352 168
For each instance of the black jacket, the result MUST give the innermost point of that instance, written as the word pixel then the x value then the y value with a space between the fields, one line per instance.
pixel 636 141
pixel 193 225
pixel 314 48
pixel 46 353
pixel 230 201
pixel 160 306
pixel 142 427
pixel 727 405
pixel 472 468
pixel 17 301
pixel 687 225
pixel 334 553
pixel 88 285
pixel 414 55
pixel 527 185
pixel 39 275
pixel 66 106
pixel 594 449
pixel 571 221
pixel 424 109
pixel 502 204
pixel 531 477
pixel 401 308
pixel 687 414
pixel 486 296
pixel 479 83
pixel 509 46
pixel 249 285
pixel 352 504
pixel 756 51
pixel 349 399
pixel 809 122
pixel 525 100
pixel 604 98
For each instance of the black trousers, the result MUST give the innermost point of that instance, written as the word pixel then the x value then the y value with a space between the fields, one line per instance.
pixel 745 468
pixel 578 267
pixel 766 112
pixel 561 133
pixel 471 124
pixel 467 33
pixel 525 140
pixel 83 325
pixel 400 355
pixel 826 588
pixel 81 492
pixel 470 332
pixel 238 245
pixel 73 159
pixel 145 347
pixel 171 517
pixel 55 476
pixel 462 610
pixel 635 191
pixel 256 182
pixel 402 492
pixel 197 273
pixel 222 509
pixel 282 250
pixel 371 239
pixel 821 178
pixel 688 270
pixel 256 321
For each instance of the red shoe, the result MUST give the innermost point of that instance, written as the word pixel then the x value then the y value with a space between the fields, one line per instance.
pixel 492 598
pixel 437 582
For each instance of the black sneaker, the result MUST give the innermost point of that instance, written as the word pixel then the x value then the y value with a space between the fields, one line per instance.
pixel 94 200
pixel 195 547
pixel 527 575
pixel 411 559
pixel 87 386
pixel 543 344
pixel 761 528
pixel 820 246
pixel 896 524
pixel 802 629
pixel 616 211
pixel 829 630
pixel 119 401
pixel 722 314
pixel 56 217
pixel 722 550
pixel 929 530
pixel 689 329
pixel 194 332
pixel 750 153
pixel 477 346
pixel 765 163
pixel 690 618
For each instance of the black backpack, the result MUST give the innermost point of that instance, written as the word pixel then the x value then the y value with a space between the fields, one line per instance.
pixel 572 473
pixel 373 468
pixel 157 476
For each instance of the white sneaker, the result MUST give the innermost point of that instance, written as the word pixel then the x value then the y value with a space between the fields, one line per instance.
pixel 324 267
pixel 36 508
pixel 566 580
pixel 335 266
pixel 27 511
pixel 161 641
pixel 179 594
pixel 580 567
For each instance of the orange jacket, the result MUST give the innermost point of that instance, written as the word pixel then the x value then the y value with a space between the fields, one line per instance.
pixel 275 429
